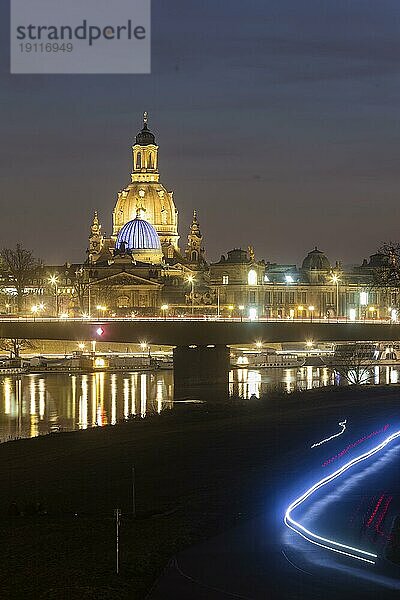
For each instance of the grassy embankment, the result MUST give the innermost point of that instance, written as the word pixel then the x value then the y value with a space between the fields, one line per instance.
pixel 198 471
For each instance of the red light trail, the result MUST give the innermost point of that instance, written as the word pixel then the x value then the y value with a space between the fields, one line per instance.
pixel 353 445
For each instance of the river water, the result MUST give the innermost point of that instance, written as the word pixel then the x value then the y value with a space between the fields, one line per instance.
pixel 32 405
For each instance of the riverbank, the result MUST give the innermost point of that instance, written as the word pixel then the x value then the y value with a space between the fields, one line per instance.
pixel 198 471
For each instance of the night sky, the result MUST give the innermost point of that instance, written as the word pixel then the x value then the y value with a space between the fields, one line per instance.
pixel 277 119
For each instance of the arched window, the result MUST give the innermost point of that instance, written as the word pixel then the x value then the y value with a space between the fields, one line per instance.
pixel 150 161
pixel 195 256
pixel 252 277
pixel 139 160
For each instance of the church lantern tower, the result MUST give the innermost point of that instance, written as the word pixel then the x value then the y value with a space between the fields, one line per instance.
pixel 95 238
pixel 195 251
pixel 145 155
pixel 145 192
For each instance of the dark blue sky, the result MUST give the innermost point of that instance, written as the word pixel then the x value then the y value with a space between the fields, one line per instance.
pixel 277 119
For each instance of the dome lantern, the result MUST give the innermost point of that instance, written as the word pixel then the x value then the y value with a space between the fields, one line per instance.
pixel 145 154
pixel 145 137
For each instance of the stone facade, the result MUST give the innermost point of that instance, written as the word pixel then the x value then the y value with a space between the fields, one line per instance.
pixel 140 268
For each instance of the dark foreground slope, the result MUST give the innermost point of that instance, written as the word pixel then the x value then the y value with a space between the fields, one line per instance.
pixel 198 471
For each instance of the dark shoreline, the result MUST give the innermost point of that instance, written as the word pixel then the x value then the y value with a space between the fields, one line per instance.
pixel 198 470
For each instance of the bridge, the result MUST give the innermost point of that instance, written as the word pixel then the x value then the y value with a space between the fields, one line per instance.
pixel 201 332
pixel 201 346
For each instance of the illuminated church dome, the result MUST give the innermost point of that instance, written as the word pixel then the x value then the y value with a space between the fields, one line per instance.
pixel 140 239
pixel 146 191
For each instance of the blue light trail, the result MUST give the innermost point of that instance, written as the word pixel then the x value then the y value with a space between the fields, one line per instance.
pixel 327 543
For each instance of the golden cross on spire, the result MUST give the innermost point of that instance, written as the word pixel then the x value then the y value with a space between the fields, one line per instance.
pixel 145 117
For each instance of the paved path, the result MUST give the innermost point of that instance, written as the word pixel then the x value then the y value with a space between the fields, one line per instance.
pixel 263 559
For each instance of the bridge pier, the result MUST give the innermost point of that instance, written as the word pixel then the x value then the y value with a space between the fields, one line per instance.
pixel 201 373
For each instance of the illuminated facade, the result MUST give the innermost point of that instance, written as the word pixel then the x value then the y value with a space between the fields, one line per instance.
pixel 144 197
pixel 140 268
pixel 317 289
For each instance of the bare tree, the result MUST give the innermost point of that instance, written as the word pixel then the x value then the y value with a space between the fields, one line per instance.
pixel 354 362
pixel 104 293
pixel 15 345
pixel 19 267
pixel 81 285
pixel 386 275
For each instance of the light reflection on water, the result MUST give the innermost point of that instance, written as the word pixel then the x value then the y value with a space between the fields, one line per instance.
pixel 257 382
pixel 32 405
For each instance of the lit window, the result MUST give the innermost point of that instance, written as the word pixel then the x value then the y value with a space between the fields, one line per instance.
pixel 252 277
pixel 266 278
pixel 253 314
pixel 225 279
pixel 363 298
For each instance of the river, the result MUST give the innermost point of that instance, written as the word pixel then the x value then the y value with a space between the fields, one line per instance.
pixel 32 405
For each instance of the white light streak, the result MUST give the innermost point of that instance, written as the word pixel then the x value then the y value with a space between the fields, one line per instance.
pixel 342 425
pixel 325 542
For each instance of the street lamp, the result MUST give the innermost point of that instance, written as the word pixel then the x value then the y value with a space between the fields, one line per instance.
pixel 309 345
pixel 335 280
pixel 164 308
pixel 259 344
pixel 145 346
pixel 34 310
pixel 311 308
pixel 101 308
pixel 191 280
pixel 53 279
pixel 241 308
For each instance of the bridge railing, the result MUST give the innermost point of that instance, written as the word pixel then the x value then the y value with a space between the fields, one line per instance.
pixel 189 318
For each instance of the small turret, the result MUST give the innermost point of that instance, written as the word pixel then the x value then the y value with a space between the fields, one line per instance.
pixel 96 239
pixel 195 251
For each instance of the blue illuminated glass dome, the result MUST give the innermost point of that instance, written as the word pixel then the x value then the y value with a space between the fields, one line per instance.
pixel 137 235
